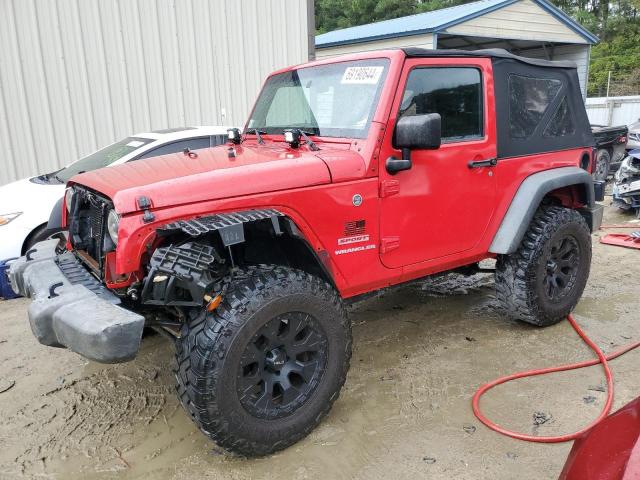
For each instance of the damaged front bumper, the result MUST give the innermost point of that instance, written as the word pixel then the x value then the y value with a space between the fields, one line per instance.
pixel 72 309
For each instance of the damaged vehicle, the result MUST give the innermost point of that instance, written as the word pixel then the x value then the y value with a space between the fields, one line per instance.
pixel 611 143
pixel 634 136
pixel 626 187
pixel 347 180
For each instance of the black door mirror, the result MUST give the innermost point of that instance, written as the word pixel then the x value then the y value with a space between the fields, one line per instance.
pixel 415 131
pixel 419 131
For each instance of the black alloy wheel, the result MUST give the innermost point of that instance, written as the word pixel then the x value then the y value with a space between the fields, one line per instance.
pixel 263 369
pixel 562 267
pixel 282 365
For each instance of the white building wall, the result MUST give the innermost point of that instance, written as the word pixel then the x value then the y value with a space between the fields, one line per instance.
pixel 423 41
pixel 78 75
pixel 521 20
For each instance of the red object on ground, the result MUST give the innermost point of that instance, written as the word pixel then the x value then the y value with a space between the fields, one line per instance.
pixel 610 450
pixel 622 240
pixel 602 358
pixel 609 447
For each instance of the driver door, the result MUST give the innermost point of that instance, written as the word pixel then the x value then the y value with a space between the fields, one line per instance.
pixel 442 205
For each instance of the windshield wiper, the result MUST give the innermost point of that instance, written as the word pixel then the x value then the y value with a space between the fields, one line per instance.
pixel 308 141
pixel 258 134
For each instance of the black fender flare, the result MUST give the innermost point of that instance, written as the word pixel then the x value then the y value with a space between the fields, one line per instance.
pixel 231 225
pixel 527 200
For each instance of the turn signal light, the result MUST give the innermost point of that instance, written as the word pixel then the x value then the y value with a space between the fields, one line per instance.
pixel 212 302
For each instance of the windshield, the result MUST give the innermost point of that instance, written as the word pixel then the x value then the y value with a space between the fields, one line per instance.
pixel 102 158
pixel 336 100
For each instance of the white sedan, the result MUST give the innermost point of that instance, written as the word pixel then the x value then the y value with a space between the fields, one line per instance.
pixel 26 205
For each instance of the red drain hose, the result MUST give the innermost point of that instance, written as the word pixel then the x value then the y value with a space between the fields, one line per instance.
pixel 602 358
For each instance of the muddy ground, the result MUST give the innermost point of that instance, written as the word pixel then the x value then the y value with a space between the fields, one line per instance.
pixel 405 412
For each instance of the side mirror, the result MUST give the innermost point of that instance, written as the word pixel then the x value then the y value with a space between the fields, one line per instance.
pixel 416 131
pixel 419 131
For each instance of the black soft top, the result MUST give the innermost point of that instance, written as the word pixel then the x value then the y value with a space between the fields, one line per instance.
pixel 487 53
pixel 539 104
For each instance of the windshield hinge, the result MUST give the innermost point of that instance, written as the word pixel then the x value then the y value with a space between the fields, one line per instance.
pixel 144 203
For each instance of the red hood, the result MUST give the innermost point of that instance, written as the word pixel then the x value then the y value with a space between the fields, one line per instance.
pixel 178 179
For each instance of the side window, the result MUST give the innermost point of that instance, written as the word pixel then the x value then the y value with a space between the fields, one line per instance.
pixel 455 93
pixel 561 123
pixel 529 99
pixel 179 146
pixel 218 140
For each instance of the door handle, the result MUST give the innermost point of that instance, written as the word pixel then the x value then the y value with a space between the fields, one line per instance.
pixel 489 162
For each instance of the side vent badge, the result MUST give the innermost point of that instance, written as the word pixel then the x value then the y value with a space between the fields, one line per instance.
pixel 357 200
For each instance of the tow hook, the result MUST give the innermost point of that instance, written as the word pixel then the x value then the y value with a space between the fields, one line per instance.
pixel 132 292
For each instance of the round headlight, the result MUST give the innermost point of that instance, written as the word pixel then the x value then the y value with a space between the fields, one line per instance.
pixel 68 196
pixel 112 226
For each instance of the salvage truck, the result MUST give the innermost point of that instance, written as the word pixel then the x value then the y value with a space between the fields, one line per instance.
pixel 353 174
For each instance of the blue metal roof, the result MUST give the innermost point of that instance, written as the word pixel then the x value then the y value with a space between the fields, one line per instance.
pixel 434 21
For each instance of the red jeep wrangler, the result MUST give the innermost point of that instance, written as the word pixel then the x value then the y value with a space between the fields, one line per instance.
pixel 353 174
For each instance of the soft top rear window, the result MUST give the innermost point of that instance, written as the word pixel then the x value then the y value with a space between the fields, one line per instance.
pixel 529 99
pixel 539 108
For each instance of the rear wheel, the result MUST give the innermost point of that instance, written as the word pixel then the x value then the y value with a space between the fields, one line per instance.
pixel 603 160
pixel 262 370
pixel 543 280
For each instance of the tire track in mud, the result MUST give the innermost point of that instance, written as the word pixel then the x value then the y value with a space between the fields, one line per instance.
pixel 92 419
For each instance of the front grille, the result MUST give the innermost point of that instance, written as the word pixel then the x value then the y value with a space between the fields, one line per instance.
pixel 96 220
pixel 87 225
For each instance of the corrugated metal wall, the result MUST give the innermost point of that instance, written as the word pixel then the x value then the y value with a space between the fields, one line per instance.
pixel 612 111
pixel 76 75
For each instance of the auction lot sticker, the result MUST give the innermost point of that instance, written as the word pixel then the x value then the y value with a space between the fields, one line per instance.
pixel 362 75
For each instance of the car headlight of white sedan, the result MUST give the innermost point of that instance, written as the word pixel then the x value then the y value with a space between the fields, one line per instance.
pixel 6 218
pixel 113 220
pixel 68 197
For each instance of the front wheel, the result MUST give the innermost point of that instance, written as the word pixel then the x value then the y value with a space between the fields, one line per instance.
pixel 542 281
pixel 262 370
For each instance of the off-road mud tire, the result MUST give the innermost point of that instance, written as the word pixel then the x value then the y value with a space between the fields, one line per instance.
pixel 603 160
pixel 519 283
pixel 209 349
